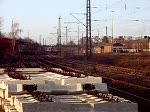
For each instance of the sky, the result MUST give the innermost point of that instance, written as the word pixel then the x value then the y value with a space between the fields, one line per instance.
pixel 40 17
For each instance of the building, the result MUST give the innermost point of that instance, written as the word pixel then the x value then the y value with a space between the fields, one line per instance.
pixel 103 48
pixel 108 48
pixel 118 48
pixel 134 45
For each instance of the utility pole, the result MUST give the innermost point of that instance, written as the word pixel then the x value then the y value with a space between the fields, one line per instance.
pixel 106 32
pixel 58 39
pixel 28 34
pixel 59 34
pixel 82 42
pixel 78 37
pixel 43 41
pixel 88 30
pixel 112 33
pixel 98 33
pixel 66 35
pixel 13 37
pixel 40 37
pixel 148 43
pixel 15 33
pixel 70 45
pixel 112 29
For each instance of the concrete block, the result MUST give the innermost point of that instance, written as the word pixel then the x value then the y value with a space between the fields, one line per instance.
pixel 84 80
pixel 101 87
pixel 3 85
pixel 94 80
pixel 6 92
pixel 53 107
pixel 29 69
pixel 49 82
pixel 15 87
pixel 2 93
pixel 73 88
pixel 46 87
pixel 116 107
pixel 59 69
pixel 2 70
pixel 26 82
pixel 79 87
pixel 12 99
pixel 80 107
pixel 61 88
pixel 13 111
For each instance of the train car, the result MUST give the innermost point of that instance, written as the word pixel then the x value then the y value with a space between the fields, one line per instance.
pixel 10 46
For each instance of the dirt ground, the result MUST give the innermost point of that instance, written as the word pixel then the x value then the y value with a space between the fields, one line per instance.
pixel 133 61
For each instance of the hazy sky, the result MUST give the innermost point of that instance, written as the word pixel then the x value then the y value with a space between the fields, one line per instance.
pixel 40 17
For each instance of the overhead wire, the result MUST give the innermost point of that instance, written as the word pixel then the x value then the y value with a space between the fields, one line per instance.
pixel 131 13
pixel 107 7
pixel 134 12
pixel 125 7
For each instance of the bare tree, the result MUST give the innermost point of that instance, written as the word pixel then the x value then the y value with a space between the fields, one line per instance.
pixel 105 39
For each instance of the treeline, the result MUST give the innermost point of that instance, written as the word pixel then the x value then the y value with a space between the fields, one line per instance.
pixel 32 47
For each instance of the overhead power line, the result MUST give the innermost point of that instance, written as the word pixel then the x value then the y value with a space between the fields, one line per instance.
pixel 110 6
pixel 77 19
pixel 107 7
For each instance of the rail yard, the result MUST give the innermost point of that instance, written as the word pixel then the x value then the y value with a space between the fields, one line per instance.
pixel 127 83
pixel 93 58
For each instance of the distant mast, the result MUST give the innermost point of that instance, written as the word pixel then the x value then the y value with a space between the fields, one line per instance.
pixel 13 37
pixel 14 34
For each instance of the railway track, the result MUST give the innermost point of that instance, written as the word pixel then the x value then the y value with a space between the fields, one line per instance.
pixel 127 75
pixel 123 74
pixel 143 103
pixel 129 90
pixel 117 81
pixel 131 84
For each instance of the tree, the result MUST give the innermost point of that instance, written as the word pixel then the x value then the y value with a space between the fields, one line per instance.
pixel 82 42
pixel 97 40
pixel 105 39
pixel 71 43
pixel 28 40
pixel 32 47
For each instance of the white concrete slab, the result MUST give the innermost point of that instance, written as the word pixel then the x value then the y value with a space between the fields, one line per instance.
pixel 101 87
pixel 29 69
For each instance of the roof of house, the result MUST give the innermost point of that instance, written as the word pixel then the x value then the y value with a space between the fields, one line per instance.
pixel 117 44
